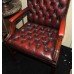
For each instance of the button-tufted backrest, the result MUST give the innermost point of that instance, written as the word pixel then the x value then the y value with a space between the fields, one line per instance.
pixel 47 12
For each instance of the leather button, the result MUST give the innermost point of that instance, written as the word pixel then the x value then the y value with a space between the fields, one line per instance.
pixel 54 15
pixel 36 29
pixel 51 38
pixel 35 35
pixel 37 39
pixel 38 46
pixel 45 42
pixel 40 12
pixel 46 49
pixel 29 38
pixel 49 20
pixel 29 32
pixel 48 30
pixel 42 28
pixel 49 34
pixel 35 17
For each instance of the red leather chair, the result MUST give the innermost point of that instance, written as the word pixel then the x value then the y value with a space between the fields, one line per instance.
pixel 42 35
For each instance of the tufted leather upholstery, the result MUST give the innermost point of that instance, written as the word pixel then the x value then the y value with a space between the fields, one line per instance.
pixel 40 36
pixel 36 39
pixel 47 12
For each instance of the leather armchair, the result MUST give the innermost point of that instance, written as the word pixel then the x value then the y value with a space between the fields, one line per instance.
pixel 42 35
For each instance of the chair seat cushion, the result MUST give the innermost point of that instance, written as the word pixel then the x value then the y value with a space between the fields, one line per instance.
pixel 35 39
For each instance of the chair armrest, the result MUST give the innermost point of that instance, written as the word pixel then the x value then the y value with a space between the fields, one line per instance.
pixel 62 27
pixel 13 20
pixel 59 40
pixel 19 15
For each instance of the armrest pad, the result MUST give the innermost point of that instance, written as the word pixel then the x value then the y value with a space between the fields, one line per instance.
pixel 62 27
pixel 18 15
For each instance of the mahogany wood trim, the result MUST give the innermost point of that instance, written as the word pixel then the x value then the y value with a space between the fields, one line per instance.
pixel 12 21
pixel 59 40
pixel 57 49
pixel 62 27
pixel 18 15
